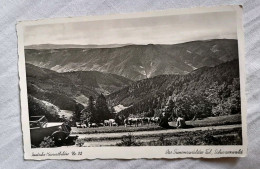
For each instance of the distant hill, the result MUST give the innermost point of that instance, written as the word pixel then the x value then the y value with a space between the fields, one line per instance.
pixel 70 90
pixel 134 62
pixel 66 46
pixel 218 86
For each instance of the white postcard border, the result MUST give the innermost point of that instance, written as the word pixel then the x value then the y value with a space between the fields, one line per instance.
pixel 168 152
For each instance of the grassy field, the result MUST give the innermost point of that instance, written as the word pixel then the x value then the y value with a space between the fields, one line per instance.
pixel 214 121
pixel 210 137
pixel 224 130
pixel 210 121
pixel 199 136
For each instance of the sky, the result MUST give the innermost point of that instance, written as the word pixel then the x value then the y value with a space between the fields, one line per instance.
pixel 152 30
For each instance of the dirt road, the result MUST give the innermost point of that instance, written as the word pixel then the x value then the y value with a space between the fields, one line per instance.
pixel 147 133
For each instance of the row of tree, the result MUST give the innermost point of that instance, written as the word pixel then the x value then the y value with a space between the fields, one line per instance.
pixel 96 111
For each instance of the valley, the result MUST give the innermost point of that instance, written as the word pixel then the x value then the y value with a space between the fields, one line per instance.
pixel 196 80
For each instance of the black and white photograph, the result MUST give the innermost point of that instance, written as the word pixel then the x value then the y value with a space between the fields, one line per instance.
pixel 172 80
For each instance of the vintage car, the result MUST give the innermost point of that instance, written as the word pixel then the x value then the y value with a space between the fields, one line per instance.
pixel 81 125
pixel 92 125
pixel 41 128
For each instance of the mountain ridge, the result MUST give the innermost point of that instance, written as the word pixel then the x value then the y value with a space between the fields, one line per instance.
pixel 137 62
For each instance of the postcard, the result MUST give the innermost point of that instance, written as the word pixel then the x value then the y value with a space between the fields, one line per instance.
pixel 161 84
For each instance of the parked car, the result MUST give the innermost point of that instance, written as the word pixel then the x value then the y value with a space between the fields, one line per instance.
pixel 81 125
pixel 78 124
pixel 93 125
pixel 114 124
pixel 41 128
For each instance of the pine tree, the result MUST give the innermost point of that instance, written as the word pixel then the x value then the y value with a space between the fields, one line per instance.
pixel 102 110
pixel 77 112
pixel 169 108
pixel 89 113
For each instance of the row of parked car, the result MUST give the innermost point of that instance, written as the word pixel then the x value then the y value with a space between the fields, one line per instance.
pixel 83 125
pixel 110 122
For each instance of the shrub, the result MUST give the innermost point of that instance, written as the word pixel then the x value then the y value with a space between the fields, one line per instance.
pixel 129 140
pixel 47 142
pixel 79 142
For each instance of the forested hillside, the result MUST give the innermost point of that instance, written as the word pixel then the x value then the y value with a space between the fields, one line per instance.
pixel 39 107
pixel 70 90
pixel 209 91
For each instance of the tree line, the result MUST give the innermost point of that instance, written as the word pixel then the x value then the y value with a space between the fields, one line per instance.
pixel 202 93
pixel 96 111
